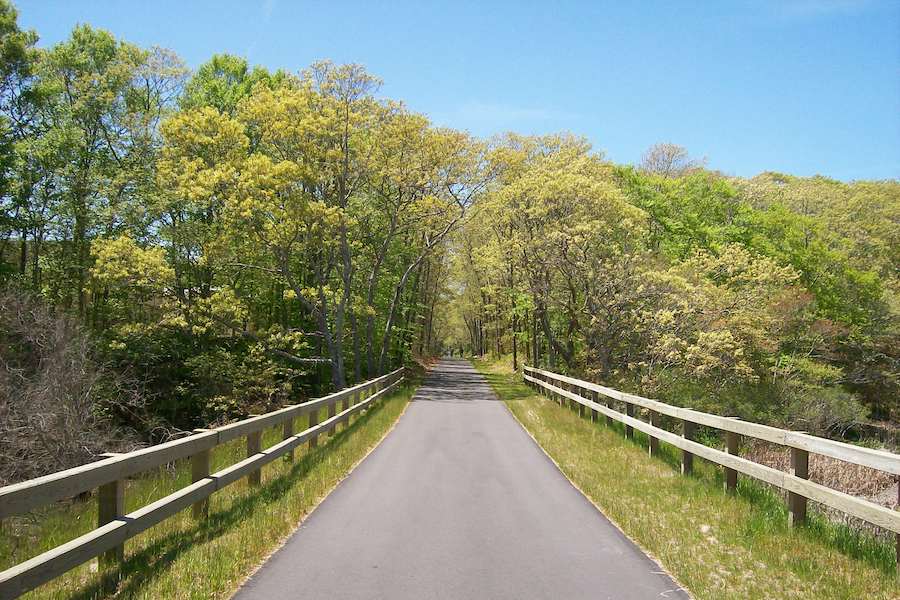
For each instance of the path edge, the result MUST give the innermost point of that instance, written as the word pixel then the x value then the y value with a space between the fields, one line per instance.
pixel 590 500
pixel 284 540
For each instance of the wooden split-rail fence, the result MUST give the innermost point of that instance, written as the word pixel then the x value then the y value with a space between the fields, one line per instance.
pixel 108 477
pixel 600 399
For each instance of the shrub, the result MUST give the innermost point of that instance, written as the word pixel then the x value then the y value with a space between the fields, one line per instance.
pixel 58 406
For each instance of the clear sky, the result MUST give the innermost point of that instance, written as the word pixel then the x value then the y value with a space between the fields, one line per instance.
pixel 799 86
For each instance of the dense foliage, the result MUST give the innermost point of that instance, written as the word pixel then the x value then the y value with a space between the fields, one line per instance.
pixel 773 298
pixel 226 240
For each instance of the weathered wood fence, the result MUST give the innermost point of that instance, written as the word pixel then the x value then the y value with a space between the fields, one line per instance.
pixel 108 477
pixel 601 400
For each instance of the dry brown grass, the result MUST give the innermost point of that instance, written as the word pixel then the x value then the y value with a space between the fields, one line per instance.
pixel 846 477
pixel 856 480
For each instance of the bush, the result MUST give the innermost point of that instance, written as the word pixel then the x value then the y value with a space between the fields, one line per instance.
pixel 235 382
pixel 58 406
pixel 813 399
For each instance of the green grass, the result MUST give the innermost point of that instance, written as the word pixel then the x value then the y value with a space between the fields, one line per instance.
pixel 717 545
pixel 183 558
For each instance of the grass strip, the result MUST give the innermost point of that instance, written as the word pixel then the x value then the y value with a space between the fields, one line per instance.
pixel 182 558
pixel 717 545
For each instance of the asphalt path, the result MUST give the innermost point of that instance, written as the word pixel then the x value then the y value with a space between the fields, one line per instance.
pixel 458 502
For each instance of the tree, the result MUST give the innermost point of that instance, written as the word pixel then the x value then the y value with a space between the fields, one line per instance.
pixel 104 101
pixel 669 161
pixel 311 155
pixel 462 173
pixel 18 105
pixel 223 81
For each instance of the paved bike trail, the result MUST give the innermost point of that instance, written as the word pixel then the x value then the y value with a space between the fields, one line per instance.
pixel 458 502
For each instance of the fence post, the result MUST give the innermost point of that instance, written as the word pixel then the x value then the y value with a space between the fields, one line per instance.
pixel 654 442
pixel 313 421
pixel 200 470
pixel 287 431
pixel 581 392
pixel 796 502
pixel 609 405
pixel 332 410
pixel 731 446
pixel 629 430
pixel 254 445
pixel 372 391
pixel 353 400
pixel 687 459
pixel 345 404
pixel 111 506
pixel 595 396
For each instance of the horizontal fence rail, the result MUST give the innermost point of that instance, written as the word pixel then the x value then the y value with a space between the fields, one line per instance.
pixel 108 476
pixel 588 395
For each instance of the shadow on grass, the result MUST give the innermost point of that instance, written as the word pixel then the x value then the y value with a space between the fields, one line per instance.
pixel 769 509
pixel 144 566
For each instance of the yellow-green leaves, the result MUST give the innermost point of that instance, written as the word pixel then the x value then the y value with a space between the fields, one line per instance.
pixel 273 204
pixel 121 262
pixel 221 309
pixel 203 154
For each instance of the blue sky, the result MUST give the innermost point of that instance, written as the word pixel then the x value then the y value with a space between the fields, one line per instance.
pixel 799 86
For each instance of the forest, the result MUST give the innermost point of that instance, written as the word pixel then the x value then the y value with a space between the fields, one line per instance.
pixel 184 247
pixel 772 298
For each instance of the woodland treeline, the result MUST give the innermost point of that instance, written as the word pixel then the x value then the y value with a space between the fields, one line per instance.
pixel 179 248
pixel 773 298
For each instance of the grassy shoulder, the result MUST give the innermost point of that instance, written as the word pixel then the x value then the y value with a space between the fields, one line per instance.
pixel 717 545
pixel 183 558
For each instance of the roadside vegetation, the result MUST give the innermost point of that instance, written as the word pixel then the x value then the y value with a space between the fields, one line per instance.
pixel 222 241
pixel 185 558
pixel 716 545
pixel 773 298
pixel 183 248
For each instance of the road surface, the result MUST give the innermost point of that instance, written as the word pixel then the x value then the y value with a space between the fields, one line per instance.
pixel 457 502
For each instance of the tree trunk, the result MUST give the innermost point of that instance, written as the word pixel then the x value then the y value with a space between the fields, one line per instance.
pixel 23 253
pixel 35 263
pixel 338 379
pixel 566 352
pixel 481 336
pixel 357 351
pixel 514 349
pixel 392 314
